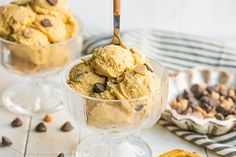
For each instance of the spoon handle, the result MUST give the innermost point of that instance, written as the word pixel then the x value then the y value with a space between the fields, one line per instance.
pixel 116 17
pixel 117 39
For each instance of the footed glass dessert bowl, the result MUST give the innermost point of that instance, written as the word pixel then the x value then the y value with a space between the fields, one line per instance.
pixel 113 121
pixel 36 44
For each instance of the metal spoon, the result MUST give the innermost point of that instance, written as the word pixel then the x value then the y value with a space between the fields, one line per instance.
pixel 116 38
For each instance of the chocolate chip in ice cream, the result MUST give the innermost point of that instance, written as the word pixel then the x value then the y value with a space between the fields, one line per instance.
pixel 41 127
pixel 16 123
pixel 61 155
pixel 52 2
pixel 6 142
pixel 67 127
pixel 138 108
pixel 99 88
pixel 46 23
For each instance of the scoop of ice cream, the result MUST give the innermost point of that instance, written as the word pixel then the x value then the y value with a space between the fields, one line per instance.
pixel 30 36
pixel 179 153
pixel 136 83
pixel 15 18
pixel 49 6
pixel 111 61
pixel 83 79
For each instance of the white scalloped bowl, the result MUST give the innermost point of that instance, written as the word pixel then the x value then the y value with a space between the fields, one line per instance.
pixel 183 80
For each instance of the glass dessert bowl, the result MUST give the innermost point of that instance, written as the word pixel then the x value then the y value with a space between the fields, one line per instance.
pixel 36 44
pixel 114 120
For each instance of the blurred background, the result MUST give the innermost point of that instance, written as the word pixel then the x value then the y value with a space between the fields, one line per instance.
pixel 212 18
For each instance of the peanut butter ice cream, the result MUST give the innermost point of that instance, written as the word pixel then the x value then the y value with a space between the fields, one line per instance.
pixel 115 73
pixel 36 24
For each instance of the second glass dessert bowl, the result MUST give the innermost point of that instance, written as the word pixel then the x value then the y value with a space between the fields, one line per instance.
pixel 114 120
pixel 38 95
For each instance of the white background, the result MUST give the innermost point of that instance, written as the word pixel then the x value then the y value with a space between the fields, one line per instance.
pixel 215 18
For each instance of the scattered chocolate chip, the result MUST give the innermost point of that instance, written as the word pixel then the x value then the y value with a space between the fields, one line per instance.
pixel 6 142
pixel 61 155
pixel 148 68
pixel 46 23
pixel 67 127
pixel 41 127
pixel 205 99
pixel 210 89
pixel 99 88
pixel 224 111
pixel 206 107
pixel 189 110
pixel 28 33
pixel 219 116
pixel 214 103
pixel 195 89
pixel 16 123
pixel 224 92
pixel 52 2
pixel 138 108
pixel 186 95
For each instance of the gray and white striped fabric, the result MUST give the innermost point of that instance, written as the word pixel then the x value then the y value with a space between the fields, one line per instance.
pixel 179 51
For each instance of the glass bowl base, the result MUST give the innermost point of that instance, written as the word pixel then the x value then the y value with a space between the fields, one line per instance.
pixel 33 98
pixel 100 146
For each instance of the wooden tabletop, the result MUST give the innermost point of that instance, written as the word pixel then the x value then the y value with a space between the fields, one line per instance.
pixel 28 143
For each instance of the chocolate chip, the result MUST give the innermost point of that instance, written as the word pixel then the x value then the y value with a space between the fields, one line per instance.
pixel 138 108
pixel 16 123
pixel 195 89
pixel 206 107
pixel 52 2
pixel 67 127
pixel 224 111
pixel 61 155
pixel 148 68
pixel 205 99
pixel 213 102
pixel 219 116
pixel 46 23
pixel 99 88
pixel 189 110
pixel 224 92
pixel 210 89
pixel 6 142
pixel 41 127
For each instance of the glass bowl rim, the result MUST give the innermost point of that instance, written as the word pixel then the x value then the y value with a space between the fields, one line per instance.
pixel 65 75
pixel 79 25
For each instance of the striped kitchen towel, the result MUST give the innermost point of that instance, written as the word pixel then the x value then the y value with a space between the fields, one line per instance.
pixel 179 51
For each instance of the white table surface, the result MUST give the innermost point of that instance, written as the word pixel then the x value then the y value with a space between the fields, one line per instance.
pixel 28 143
